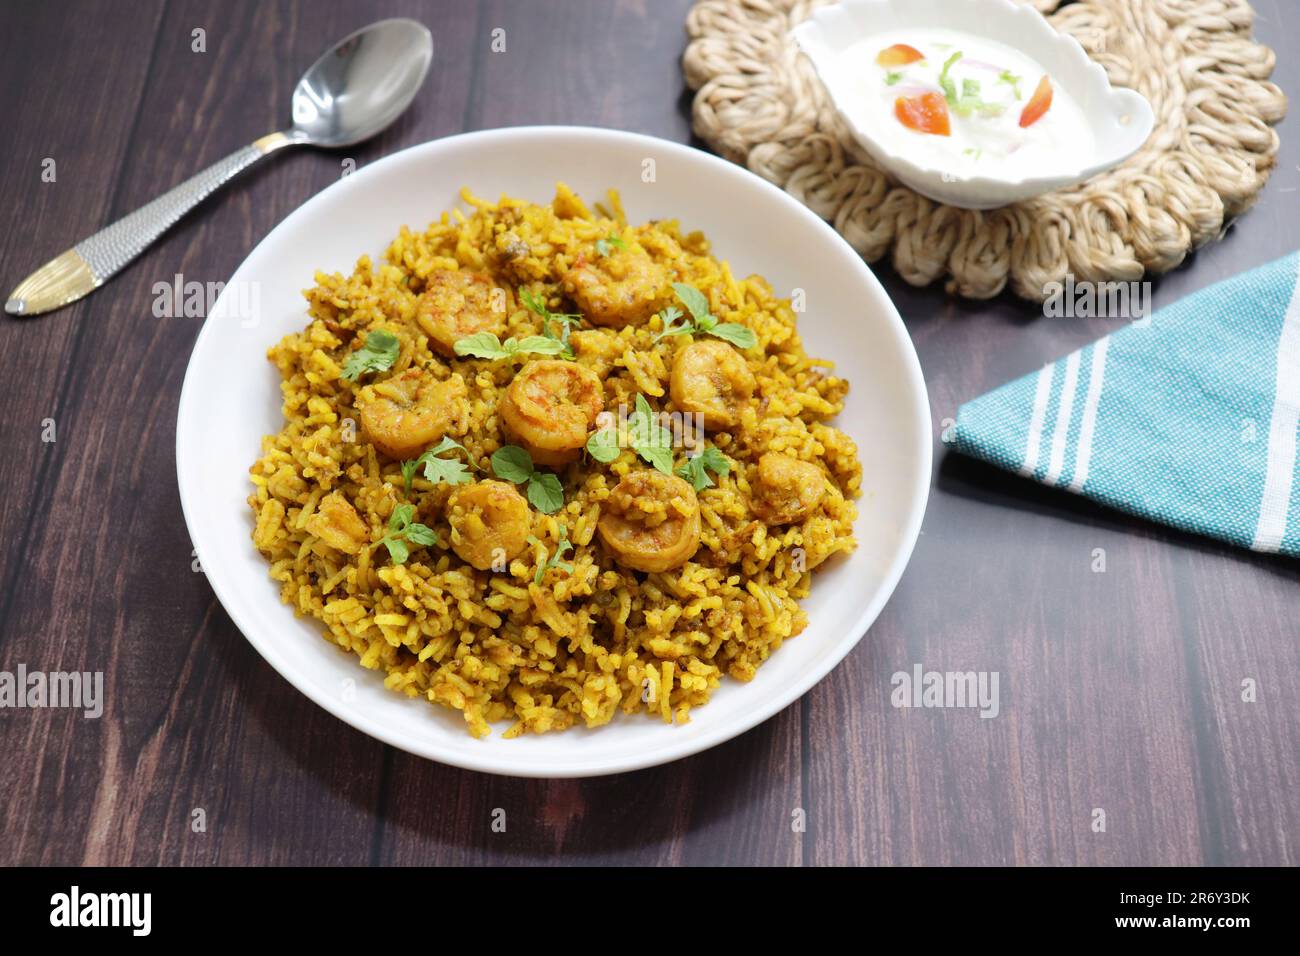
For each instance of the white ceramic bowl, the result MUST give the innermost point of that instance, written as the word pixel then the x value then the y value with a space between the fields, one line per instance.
pixel 231 399
pixel 1120 119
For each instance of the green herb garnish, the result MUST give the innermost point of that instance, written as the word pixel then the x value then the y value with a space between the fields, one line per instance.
pixel 648 438
pixel 603 445
pixel 563 319
pixel 702 320
pixel 556 559
pixel 892 77
pixel 697 468
pixel 403 532
pixel 1006 76
pixel 514 464
pixel 642 433
pixel 613 239
pixel 438 469
pixel 488 346
pixel 377 354
pixel 969 100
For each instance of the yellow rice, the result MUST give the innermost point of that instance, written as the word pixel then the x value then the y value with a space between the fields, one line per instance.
pixel 582 646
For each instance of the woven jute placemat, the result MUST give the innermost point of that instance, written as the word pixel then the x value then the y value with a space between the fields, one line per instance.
pixel 760 103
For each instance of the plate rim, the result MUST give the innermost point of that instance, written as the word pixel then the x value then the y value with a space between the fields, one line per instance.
pixel 492 761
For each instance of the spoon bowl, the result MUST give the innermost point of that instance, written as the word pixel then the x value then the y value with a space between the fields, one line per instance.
pixel 362 85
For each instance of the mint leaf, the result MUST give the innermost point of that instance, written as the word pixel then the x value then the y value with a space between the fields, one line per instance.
pixel 545 492
pixel 482 345
pixel 421 534
pixel 541 344
pixel 397 549
pixel 660 456
pixel 603 445
pixel 695 301
pixel 377 354
pixel 512 463
pixel 742 337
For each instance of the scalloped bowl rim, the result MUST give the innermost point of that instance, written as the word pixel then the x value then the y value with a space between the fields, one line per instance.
pixel 811 36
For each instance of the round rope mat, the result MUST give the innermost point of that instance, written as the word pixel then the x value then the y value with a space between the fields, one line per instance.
pixel 759 103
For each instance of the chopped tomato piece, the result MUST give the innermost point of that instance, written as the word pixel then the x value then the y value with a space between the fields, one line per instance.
pixel 900 54
pixel 1038 104
pixel 926 113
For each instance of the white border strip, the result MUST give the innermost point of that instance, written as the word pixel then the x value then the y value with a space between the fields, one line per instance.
pixel 1064 415
pixel 1041 394
pixel 1281 433
pixel 1083 453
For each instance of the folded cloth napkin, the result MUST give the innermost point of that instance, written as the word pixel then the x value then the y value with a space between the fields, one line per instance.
pixel 1188 418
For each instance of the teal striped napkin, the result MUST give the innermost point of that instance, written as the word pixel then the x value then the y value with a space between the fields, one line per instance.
pixel 1188 418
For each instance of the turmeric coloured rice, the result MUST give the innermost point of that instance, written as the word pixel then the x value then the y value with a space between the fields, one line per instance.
pixel 541 465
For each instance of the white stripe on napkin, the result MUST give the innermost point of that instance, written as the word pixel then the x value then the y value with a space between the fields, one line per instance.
pixel 1064 414
pixel 1083 453
pixel 1281 433
pixel 1041 394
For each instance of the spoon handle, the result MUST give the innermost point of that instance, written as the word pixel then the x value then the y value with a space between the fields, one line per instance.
pixel 96 259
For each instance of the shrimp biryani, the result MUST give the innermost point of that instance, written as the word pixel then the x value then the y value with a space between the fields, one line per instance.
pixel 541 465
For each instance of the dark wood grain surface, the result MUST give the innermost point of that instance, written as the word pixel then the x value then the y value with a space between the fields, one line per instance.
pixel 1120 690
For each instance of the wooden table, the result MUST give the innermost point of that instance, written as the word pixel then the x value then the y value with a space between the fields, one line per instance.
pixel 1120 690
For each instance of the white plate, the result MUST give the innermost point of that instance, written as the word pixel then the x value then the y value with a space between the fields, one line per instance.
pixel 231 399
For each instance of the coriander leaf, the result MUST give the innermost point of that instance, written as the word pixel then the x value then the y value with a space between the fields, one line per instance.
pixel 741 336
pixel 892 77
pixel 533 304
pixel 408 472
pixel 482 345
pixel 401 517
pixel 603 445
pixel 695 301
pixel 377 354
pixel 445 470
pixel 545 492
pixel 512 463
pixel 446 444
pixel 397 549
pixel 421 534
pixel 555 560
pixel 438 469
pixel 697 467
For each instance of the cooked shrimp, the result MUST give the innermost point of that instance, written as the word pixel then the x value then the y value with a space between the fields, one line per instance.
pixel 619 289
pixel 337 523
pixel 788 489
pixel 651 521
pixel 459 303
pixel 489 523
pixel 407 413
pixel 550 407
pixel 711 379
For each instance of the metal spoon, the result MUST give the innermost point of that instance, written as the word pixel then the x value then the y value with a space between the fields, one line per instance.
pixel 351 93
